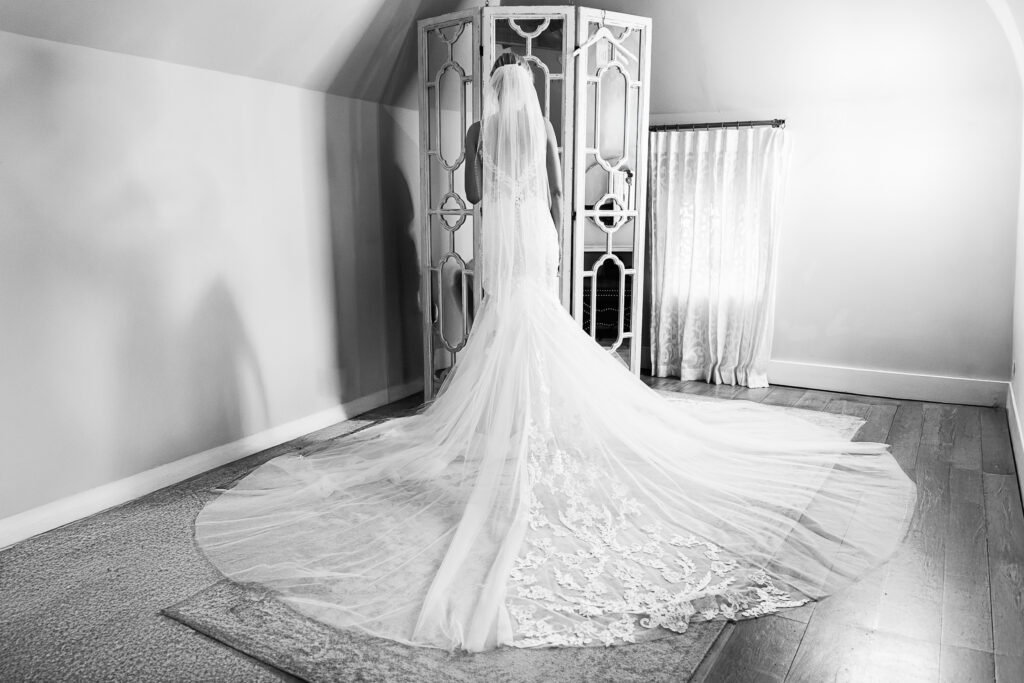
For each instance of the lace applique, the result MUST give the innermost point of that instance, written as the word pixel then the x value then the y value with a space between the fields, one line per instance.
pixel 588 573
pixel 515 186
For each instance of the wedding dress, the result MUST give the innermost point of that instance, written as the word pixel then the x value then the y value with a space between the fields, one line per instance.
pixel 547 496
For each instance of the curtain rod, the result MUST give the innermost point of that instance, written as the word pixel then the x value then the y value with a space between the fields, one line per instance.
pixel 774 123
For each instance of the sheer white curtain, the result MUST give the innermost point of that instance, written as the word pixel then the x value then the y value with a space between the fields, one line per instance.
pixel 715 203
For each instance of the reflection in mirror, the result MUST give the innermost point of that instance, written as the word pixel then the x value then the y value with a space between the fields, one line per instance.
pixel 605 293
pixel 437 53
pixel 595 239
pixel 451 33
pixel 591 114
pixel 613 87
pixel 442 356
pixel 601 297
pixel 632 43
pixel 450 93
pixel 452 325
pixel 541 41
pixel 623 350
pixel 467 102
pixel 596 184
pixel 439 239
pixel 555 113
pixel 463 49
pixel 610 204
pixel 439 182
pixel 453 203
pixel 464 238
pixel 547 47
pixel 541 84
pixel 433 124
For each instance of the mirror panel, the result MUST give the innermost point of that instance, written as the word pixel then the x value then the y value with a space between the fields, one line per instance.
pixel 609 237
pixel 448 60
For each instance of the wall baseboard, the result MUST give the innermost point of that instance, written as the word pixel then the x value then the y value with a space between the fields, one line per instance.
pixel 80 505
pixel 889 383
pixel 1016 436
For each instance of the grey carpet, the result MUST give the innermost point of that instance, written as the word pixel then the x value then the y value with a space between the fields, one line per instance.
pixel 250 620
pixel 82 602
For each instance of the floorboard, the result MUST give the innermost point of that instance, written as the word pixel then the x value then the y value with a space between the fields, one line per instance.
pixel 834 651
pixel 996 453
pixel 1005 523
pixel 1009 668
pixel 718 390
pixel 813 400
pixel 966 451
pixel 905 434
pixel 747 394
pixel 783 396
pixel 841 406
pixel 938 431
pixel 928 529
pixel 966 606
pixel 964 665
pixel 880 419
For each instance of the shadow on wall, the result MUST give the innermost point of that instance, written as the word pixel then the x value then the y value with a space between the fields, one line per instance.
pixel 180 388
pixel 373 172
pixel 93 258
pixel 399 220
pixel 228 395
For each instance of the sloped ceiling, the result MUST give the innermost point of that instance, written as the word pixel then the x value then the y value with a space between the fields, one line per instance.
pixel 709 55
pixel 356 48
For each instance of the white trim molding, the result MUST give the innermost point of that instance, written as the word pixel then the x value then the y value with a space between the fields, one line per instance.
pixel 889 383
pixel 80 505
pixel 1016 436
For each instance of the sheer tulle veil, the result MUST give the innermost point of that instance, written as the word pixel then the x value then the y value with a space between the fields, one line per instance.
pixel 547 496
pixel 513 143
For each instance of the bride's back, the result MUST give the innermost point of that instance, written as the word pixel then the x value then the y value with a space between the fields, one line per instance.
pixel 518 236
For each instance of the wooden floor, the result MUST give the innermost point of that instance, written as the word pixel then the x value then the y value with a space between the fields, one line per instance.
pixel 949 606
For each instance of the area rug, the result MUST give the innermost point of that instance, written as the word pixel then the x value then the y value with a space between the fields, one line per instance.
pixel 247 618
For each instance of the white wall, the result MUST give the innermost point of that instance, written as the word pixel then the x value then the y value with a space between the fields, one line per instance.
pixel 186 258
pixel 898 232
pixel 898 240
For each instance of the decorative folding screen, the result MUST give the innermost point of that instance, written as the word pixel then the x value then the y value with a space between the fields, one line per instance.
pixel 597 102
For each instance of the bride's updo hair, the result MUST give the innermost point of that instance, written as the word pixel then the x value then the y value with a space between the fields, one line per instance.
pixel 508 58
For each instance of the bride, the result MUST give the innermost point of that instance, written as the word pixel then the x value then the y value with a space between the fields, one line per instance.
pixel 547 496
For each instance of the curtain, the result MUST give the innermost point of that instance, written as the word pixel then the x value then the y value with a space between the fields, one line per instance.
pixel 715 199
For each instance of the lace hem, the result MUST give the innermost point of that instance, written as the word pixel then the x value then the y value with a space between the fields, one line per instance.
pixel 590 574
